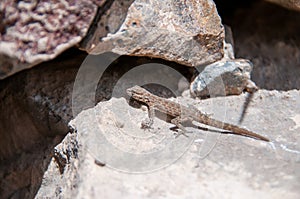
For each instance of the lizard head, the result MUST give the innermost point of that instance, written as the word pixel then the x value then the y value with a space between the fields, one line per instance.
pixel 138 93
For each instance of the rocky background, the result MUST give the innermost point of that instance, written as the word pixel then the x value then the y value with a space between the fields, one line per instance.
pixel 43 155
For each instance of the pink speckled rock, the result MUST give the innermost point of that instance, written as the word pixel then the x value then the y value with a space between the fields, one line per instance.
pixel 36 31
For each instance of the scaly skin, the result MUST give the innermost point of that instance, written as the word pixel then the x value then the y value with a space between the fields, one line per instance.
pixel 182 113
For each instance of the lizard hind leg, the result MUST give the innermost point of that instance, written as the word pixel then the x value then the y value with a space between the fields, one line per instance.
pixel 178 122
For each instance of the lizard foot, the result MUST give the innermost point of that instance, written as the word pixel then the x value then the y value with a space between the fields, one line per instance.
pixel 147 124
pixel 184 133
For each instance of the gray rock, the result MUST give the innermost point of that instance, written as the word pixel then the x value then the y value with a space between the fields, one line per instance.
pixel 186 32
pixel 233 166
pixel 225 77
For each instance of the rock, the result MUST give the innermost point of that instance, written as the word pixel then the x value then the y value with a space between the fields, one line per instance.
pixel 35 112
pixel 187 32
pixel 190 32
pixel 108 19
pixel 64 163
pixel 228 76
pixel 36 31
pixel 275 54
pixel 233 166
pixel 36 107
pixel 225 77
pixel 290 4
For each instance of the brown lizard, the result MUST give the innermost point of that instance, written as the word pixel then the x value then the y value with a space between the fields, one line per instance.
pixel 181 113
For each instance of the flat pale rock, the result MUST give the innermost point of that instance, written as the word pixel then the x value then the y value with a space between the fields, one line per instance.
pixel 213 165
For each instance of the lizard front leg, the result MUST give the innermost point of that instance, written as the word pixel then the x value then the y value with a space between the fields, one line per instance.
pixel 148 122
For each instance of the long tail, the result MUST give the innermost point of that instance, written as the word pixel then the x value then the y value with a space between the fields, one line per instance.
pixel 232 128
pixel 245 132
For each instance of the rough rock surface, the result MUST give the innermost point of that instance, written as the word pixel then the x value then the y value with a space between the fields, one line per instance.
pixel 32 32
pixel 35 111
pixel 290 4
pixel 228 76
pixel 108 19
pixel 225 77
pixel 233 166
pixel 187 32
pixel 35 31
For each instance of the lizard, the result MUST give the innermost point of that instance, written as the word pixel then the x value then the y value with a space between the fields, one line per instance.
pixel 181 113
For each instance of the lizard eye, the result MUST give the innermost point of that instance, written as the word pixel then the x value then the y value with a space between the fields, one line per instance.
pixel 146 99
